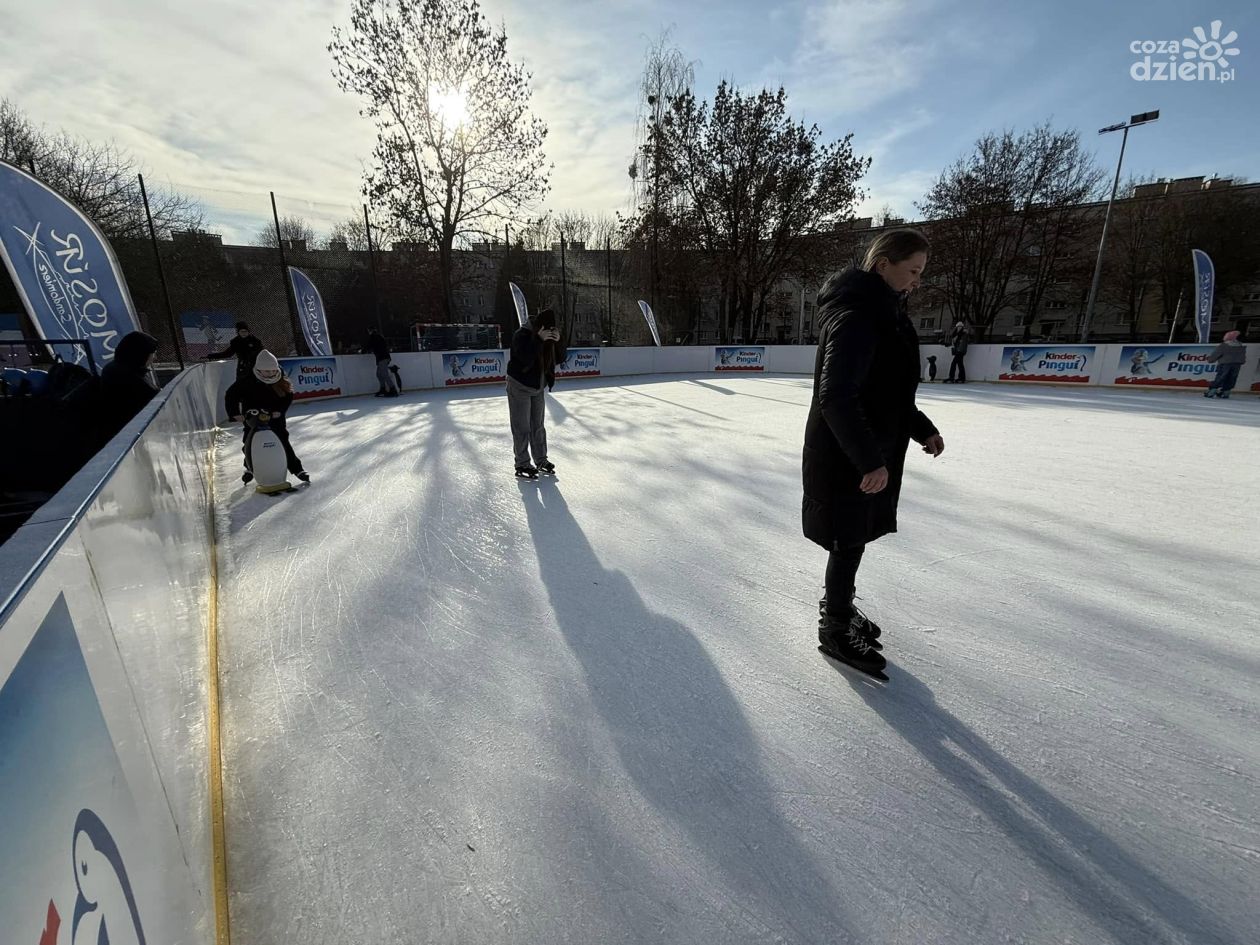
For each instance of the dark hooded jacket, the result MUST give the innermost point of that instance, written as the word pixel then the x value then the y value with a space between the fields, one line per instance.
pixel 245 350
pixel 125 383
pixel 533 361
pixel 249 393
pixel 862 415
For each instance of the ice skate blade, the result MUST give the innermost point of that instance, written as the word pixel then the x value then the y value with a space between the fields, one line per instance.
pixel 873 673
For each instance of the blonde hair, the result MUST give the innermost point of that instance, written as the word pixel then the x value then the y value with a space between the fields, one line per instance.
pixel 896 246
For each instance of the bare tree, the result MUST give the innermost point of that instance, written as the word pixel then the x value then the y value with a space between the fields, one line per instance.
pixel 1001 216
pixel 100 179
pixel 751 193
pixel 458 151
pixel 293 229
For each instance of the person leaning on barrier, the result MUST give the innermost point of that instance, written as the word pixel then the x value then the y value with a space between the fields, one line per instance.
pixel 244 347
pixel 126 384
pixel 1229 356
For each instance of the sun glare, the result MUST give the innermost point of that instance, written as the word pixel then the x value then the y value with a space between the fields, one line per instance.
pixel 449 106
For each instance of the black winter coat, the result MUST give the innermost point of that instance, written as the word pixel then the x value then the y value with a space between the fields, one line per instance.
pixel 533 361
pixel 125 385
pixel 862 415
pixel 249 393
pixel 245 350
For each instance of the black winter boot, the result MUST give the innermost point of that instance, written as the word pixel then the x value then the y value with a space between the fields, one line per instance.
pixel 842 640
pixel 866 626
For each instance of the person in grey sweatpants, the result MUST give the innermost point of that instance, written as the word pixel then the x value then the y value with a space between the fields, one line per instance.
pixel 536 350
pixel 380 349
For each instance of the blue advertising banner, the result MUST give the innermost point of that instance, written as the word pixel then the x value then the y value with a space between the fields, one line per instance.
pixel 1047 364
pixel 739 358
pixel 1165 366
pixel 579 362
pixel 311 313
pixel 63 267
pixel 651 320
pixel 69 822
pixel 1204 289
pixel 474 367
pixel 311 377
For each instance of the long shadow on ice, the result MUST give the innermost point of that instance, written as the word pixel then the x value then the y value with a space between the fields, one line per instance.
pixel 1110 886
pixel 681 738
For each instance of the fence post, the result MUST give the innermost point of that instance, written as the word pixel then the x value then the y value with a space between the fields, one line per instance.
pixel 289 300
pixel 166 294
pixel 608 277
pixel 376 288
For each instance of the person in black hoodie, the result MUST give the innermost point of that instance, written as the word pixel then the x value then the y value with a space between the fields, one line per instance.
pixel 861 419
pixel 126 386
pixel 536 350
pixel 380 348
pixel 265 388
pixel 244 347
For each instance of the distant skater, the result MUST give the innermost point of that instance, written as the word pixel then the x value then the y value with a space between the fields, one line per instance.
pixel 931 360
pixel 1229 356
pixel 862 418
pixel 244 347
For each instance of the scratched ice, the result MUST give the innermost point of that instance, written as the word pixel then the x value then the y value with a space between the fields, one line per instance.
pixel 460 708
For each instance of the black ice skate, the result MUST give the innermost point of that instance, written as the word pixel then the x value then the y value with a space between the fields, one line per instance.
pixel 526 472
pixel 842 640
pixel 546 468
pixel 869 629
pixel 303 475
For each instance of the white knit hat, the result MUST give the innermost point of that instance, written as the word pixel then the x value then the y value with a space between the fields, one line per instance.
pixel 267 368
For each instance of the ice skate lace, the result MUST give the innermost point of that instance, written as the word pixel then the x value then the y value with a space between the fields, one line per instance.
pixel 856 640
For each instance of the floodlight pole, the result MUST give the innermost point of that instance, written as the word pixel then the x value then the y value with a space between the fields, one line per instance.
pixel 1102 242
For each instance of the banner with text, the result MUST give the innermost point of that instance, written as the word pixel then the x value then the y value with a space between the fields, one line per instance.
pixel 739 358
pixel 65 791
pixel 1165 366
pixel 651 320
pixel 1053 364
pixel 63 268
pixel 1204 290
pixel 311 313
pixel 580 362
pixel 518 301
pixel 312 377
pixel 474 367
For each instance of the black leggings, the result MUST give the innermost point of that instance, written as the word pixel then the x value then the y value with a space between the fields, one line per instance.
pixel 842 568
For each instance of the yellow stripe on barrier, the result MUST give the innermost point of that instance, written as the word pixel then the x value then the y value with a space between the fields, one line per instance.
pixel 223 933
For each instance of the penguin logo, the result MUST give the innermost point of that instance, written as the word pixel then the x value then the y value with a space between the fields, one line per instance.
pixel 1019 361
pixel 457 367
pixel 105 910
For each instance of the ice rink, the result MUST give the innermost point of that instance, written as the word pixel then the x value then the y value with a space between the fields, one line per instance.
pixel 462 708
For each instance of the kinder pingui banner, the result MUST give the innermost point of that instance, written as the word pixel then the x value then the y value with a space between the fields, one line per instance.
pixel 311 313
pixel 312 377
pixel 739 358
pixel 474 367
pixel 1047 364
pixel 1165 366
pixel 64 269
pixel 580 362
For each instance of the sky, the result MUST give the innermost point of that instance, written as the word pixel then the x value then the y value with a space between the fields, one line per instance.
pixel 231 99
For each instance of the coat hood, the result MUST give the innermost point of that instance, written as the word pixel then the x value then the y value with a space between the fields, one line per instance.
pixel 854 288
pixel 132 353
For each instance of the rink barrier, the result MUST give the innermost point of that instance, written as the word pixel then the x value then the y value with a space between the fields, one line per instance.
pixel 1103 365
pixel 105 618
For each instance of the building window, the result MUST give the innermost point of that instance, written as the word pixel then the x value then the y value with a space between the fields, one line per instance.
pixel 1055 306
pixel 927 322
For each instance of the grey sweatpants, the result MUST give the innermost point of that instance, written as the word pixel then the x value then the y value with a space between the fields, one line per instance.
pixel 527 409
pixel 386 377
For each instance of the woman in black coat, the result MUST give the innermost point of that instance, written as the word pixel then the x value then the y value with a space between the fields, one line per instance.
pixel 861 420
pixel 126 385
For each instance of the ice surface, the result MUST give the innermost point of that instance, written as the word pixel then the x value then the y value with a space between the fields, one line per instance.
pixel 463 708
